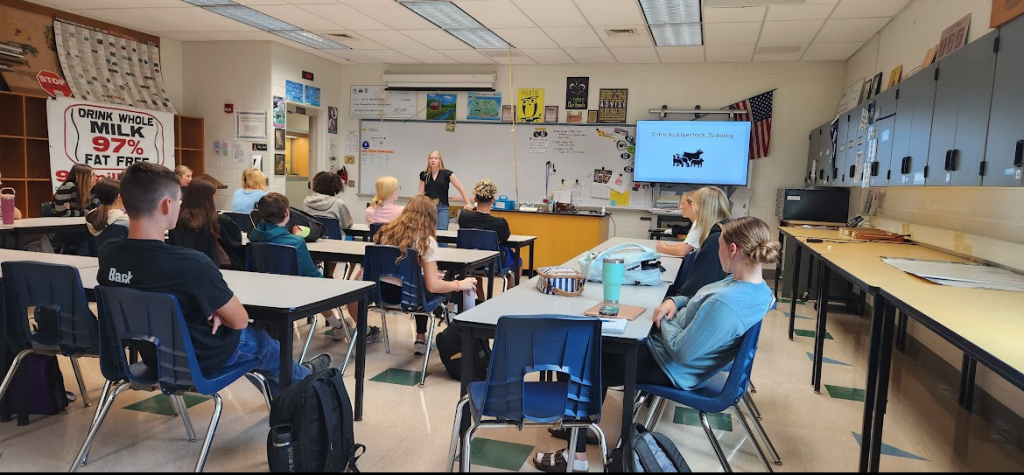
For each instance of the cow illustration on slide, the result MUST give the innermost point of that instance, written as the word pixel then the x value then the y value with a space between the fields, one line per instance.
pixel 688 159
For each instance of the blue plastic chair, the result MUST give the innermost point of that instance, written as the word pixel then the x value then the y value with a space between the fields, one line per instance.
pixel 374 228
pixel 332 227
pixel 114 231
pixel 484 240
pixel 380 261
pixel 47 209
pixel 724 390
pixel 64 324
pixel 525 344
pixel 269 258
pixel 241 219
pixel 134 317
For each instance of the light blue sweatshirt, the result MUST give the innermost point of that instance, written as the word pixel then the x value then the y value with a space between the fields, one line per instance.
pixel 243 201
pixel 704 336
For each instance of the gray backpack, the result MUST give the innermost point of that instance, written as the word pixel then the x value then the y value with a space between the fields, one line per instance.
pixel 652 452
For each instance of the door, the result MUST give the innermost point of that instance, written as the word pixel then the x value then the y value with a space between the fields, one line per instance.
pixel 1005 146
pixel 913 128
pixel 824 163
pixel 881 138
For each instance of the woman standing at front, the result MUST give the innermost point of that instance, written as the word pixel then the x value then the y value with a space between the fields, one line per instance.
pixel 434 183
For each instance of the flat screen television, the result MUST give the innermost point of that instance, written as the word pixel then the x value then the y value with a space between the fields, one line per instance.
pixel 692 152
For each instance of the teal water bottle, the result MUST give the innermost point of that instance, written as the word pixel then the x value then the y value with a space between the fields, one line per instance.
pixel 613 270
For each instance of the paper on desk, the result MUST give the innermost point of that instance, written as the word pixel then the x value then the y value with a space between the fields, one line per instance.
pixel 613 325
pixel 969 275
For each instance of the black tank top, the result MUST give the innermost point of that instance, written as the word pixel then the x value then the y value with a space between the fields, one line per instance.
pixel 437 189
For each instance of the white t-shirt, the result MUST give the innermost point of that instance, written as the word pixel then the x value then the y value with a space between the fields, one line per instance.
pixel 693 237
pixel 429 256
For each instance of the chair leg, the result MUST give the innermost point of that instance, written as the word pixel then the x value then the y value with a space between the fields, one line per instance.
pixel 91 437
pixel 10 372
pixel 574 436
pixel 179 402
pixel 104 394
pixel 466 452
pixel 384 329
pixel 264 386
pixel 654 412
pixel 426 354
pixel 764 435
pixel 351 349
pixel 754 411
pixel 218 406
pixel 455 431
pixel 753 440
pixel 714 442
pixel 309 338
pixel 81 382
pixel 752 388
pixel 603 440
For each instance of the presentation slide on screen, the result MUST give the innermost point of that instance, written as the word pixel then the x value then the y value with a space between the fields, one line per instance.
pixel 696 152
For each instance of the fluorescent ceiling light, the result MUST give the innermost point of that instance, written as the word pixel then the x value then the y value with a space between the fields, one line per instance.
pixel 443 14
pixel 660 12
pixel 310 39
pixel 210 3
pixel 253 18
pixel 480 38
pixel 677 35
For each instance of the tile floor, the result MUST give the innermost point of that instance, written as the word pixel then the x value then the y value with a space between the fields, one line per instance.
pixel 406 428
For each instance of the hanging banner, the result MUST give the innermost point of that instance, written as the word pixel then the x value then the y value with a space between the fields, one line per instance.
pixel 106 137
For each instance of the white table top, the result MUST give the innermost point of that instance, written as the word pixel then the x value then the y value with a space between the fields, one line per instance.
pixel 447 255
pixel 30 223
pixel 81 262
pixel 525 299
pixel 448 233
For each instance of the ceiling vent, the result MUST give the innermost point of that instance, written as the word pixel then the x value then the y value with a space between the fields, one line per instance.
pixel 788 49
pixel 617 32
pixel 750 3
pixel 342 35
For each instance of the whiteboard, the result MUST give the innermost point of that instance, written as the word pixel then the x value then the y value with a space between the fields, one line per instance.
pixel 477 150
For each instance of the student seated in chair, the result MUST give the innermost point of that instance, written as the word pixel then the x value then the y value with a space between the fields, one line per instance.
pixel 217 322
pixel 694 338
pixel 485 191
pixel 111 209
pixel 704 208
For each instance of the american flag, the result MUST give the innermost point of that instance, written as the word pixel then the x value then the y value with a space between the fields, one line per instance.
pixel 760 124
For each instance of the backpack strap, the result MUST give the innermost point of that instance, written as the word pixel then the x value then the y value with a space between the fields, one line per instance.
pixel 671 452
pixel 326 398
pixel 341 394
pixel 644 454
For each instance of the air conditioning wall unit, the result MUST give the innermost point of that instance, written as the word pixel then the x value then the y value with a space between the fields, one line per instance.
pixel 440 82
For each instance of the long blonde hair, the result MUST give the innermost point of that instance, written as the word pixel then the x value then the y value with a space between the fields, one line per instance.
pixel 710 205
pixel 386 185
pixel 254 179
pixel 411 229
pixel 439 159
pixel 753 237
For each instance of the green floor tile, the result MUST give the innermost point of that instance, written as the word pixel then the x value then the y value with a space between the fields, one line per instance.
pixel 161 404
pixel 810 333
pixel 850 394
pixel 690 417
pixel 400 376
pixel 498 454
pixel 786 301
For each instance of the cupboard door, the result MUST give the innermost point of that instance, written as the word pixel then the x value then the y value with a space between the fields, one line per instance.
pixel 913 126
pixel 1004 150
pixel 812 156
pixel 885 117
pixel 853 136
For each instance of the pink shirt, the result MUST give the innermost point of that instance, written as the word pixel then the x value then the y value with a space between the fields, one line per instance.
pixel 384 213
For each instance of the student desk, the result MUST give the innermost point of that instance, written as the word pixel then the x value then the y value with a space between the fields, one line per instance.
pixel 82 263
pixel 482 321
pixel 42 225
pixel 795 232
pixel 515 241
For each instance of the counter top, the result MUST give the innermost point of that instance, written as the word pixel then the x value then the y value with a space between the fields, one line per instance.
pixel 581 213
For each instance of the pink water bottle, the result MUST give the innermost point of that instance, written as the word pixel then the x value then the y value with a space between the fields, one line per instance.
pixel 7 204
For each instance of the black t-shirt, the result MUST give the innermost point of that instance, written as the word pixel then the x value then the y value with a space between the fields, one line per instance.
pixel 437 188
pixel 477 220
pixel 189 275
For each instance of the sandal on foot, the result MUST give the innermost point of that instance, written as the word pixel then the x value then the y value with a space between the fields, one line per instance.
pixel 557 462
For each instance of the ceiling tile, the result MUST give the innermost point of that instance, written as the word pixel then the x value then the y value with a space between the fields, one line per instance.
pixel 297 16
pixel 299 2
pixel 574 36
pixel 260 2
pixel 552 12
pixel 525 37
pixel 733 14
pixel 868 8
pixel 681 54
pixel 356 41
pixel 392 39
pixel 345 17
pixel 728 54
pixel 436 39
pixel 466 56
pixel 636 55
pixel 850 30
pixel 641 38
pixel 259 35
pixel 779 53
pixel 392 14
pixel 831 51
pixel 548 55
pixel 428 56
pixel 68 5
pixel 330 57
pixel 789 32
pixel 591 55
pixel 611 12
pixel 385 56
pixel 202 36
pixel 799 12
pixel 496 13
pixel 727 34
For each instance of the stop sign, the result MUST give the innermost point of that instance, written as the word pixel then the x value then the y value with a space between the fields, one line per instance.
pixel 53 84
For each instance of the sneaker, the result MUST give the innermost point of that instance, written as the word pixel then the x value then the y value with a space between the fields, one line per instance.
pixel 419 347
pixel 374 335
pixel 319 363
pixel 336 328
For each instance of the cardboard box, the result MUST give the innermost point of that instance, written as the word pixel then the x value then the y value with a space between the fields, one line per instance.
pixel 1004 11
pixel 870 234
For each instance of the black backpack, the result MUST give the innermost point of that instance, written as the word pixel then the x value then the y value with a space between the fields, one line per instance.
pixel 302 218
pixel 652 452
pixel 320 413
pixel 449 347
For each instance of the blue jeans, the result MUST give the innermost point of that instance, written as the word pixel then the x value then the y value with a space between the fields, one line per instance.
pixel 442 217
pixel 257 344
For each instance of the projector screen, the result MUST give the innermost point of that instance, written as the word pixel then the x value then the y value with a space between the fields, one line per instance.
pixel 692 152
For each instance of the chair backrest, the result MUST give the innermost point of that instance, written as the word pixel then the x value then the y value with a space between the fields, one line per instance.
pixel 47 209
pixel 332 226
pixel 374 227
pixel 525 344
pixel 481 239
pixel 57 289
pixel 739 375
pixel 380 261
pixel 269 258
pixel 135 316
pixel 203 242
pixel 681 274
pixel 705 267
pixel 114 231
pixel 241 219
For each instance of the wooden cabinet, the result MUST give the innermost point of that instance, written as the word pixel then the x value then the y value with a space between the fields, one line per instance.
pixel 25 152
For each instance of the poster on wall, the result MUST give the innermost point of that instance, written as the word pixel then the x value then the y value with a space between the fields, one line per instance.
pixel 280 112
pixel 313 96
pixel 293 91
pixel 106 137
pixel 332 120
pixel 611 109
pixel 377 102
pixel 26 47
pixel 441 106
pixel 250 125
pixel 576 93
pixel 109 67
pixel 484 106
pixel 531 106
